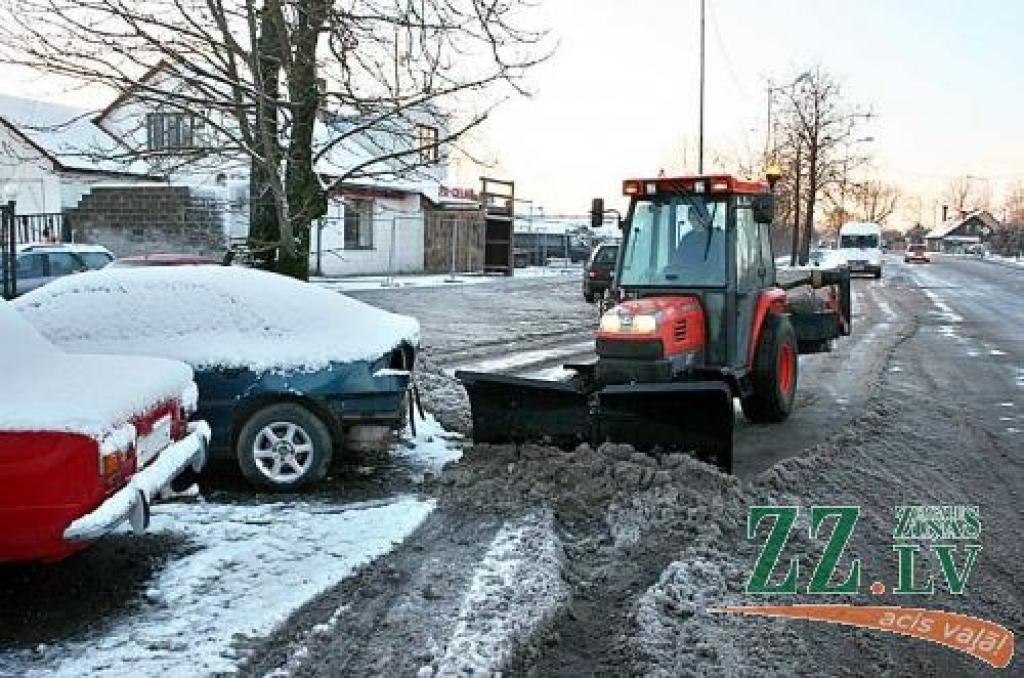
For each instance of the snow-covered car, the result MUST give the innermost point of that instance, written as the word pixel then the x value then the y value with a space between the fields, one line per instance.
pixel 288 372
pixel 163 259
pixel 42 263
pixel 86 442
pixel 916 252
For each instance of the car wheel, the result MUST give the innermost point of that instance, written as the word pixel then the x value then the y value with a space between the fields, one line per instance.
pixel 284 447
pixel 589 297
pixel 774 375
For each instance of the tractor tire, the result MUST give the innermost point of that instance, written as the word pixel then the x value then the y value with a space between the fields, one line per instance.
pixel 774 374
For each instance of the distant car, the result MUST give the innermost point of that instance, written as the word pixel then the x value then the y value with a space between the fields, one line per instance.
pixel 599 271
pixel 287 371
pixel 860 246
pixel 976 250
pixel 86 442
pixel 163 259
pixel 916 253
pixel 41 263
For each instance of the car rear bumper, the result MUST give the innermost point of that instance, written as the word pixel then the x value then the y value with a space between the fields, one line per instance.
pixel 132 501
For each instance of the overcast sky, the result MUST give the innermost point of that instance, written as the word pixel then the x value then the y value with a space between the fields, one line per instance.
pixel 620 96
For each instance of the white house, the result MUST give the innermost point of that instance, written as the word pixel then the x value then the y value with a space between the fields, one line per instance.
pixel 57 154
pixel 53 154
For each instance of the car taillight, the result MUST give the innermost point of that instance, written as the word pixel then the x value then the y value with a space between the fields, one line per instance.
pixel 117 460
pixel 592 273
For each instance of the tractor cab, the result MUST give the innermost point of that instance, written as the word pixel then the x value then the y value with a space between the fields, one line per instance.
pixel 705 238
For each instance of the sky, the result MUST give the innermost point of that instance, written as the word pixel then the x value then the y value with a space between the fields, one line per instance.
pixel 620 96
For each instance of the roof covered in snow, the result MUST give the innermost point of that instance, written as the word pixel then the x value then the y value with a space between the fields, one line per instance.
pixel 66 135
pixel 950 225
pixel 213 316
pixel 46 389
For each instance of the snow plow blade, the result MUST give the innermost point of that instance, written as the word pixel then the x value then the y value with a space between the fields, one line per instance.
pixel 517 410
pixel 674 416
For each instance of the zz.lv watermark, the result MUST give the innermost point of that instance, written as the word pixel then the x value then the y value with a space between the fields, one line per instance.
pixel 950 534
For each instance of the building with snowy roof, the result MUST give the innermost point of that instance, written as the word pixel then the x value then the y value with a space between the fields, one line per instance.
pixel 957 233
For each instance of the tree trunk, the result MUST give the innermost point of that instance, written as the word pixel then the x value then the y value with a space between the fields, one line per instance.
pixel 812 190
pixel 794 249
pixel 264 225
pixel 306 198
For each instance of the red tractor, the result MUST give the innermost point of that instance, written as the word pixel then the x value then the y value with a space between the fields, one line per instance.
pixel 701 320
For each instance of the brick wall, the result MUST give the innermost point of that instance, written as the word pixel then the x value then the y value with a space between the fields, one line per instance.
pixel 135 220
pixel 437 240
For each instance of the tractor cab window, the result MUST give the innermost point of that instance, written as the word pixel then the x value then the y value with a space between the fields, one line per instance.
pixel 676 241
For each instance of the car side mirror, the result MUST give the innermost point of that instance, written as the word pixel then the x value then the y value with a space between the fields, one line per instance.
pixel 764 208
pixel 596 212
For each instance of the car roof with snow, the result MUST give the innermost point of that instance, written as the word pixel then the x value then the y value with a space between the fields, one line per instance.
pixel 46 389
pixel 61 247
pixel 859 228
pixel 213 316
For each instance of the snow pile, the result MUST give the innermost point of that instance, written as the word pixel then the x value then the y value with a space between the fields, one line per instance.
pixel 213 316
pixel 254 565
pixel 45 389
pixel 517 587
pixel 431 448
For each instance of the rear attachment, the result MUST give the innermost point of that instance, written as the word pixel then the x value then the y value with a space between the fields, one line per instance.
pixel 692 417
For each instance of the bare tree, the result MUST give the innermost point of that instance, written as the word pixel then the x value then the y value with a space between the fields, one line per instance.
pixel 288 86
pixel 966 194
pixel 821 127
pixel 876 201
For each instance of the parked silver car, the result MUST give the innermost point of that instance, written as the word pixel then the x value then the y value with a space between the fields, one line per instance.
pixel 40 263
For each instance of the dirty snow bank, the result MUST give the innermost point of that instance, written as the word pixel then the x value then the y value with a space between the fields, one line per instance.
pixel 444 396
pixel 213 316
pixel 517 587
pixel 45 389
pixel 252 567
pixel 430 449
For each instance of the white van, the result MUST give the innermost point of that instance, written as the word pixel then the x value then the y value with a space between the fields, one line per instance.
pixel 860 246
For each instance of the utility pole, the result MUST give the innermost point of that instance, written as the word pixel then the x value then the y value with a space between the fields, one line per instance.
pixel 700 137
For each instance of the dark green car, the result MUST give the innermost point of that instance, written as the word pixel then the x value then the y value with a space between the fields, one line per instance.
pixel 289 374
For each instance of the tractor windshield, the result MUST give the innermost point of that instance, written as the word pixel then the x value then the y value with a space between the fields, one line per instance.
pixel 676 241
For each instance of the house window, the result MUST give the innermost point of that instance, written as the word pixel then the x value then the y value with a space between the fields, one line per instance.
pixel 426 141
pixel 171 131
pixel 358 224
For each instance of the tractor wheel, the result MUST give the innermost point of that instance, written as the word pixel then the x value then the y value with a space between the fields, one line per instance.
pixel 774 373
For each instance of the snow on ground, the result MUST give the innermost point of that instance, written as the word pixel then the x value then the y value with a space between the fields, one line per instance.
pixel 252 567
pixel 376 282
pixel 213 316
pixel 431 448
pixel 45 388
pixel 512 361
pixel 516 587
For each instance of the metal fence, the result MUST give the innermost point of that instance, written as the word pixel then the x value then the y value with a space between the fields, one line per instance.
pixel 48 227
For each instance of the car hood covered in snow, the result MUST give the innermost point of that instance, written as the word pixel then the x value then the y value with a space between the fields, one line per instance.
pixel 45 389
pixel 213 316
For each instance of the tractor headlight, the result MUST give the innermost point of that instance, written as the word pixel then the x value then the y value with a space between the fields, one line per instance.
pixel 624 323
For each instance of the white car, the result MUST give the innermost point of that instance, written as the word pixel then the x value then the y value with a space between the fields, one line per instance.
pixel 860 246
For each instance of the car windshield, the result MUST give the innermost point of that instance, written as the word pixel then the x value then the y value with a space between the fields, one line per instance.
pixel 676 241
pixel 860 242
pixel 95 260
pixel 606 255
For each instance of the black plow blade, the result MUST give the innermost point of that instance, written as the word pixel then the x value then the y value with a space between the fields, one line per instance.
pixel 517 410
pixel 692 417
